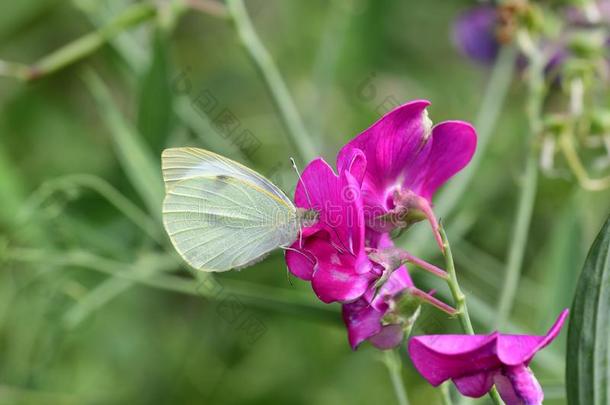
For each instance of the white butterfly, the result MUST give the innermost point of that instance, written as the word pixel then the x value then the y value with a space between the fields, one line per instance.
pixel 220 215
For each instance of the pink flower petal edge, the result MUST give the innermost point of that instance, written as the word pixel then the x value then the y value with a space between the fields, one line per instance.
pixel 476 362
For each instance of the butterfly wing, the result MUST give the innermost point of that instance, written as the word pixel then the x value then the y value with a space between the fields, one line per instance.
pixel 183 163
pixel 220 222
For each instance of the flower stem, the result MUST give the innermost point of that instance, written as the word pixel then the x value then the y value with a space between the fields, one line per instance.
pixel 393 363
pixel 81 47
pixel 210 7
pixel 454 287
pixel 424 265
pixel 263 297
pixel 445 396
pixel 460 300
pixel 100 186
pixel 536 95
pixel 427 297
pixel 273 79
pixel 485 121
pixel 577 167
pixel 519 242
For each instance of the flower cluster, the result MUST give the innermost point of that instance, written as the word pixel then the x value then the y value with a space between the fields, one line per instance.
pixel 385 180
pixel 564 51
pixel 479 32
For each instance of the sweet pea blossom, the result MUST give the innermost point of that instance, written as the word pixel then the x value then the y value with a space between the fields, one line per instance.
pixel 386 178
pixel 474 34
pixel 364 318
pixel 331 254
pixel 406 159
pixel 476 362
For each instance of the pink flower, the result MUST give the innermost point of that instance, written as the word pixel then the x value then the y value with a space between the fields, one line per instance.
pixel 476 362
pixel 364 318
pixel 331 253
pixel 406 160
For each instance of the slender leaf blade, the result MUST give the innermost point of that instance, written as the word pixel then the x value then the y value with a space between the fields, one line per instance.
pixel 587 366
pixel 137 160
pixel 155 98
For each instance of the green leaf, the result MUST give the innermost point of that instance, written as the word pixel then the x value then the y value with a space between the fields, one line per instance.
pixel 140 164
pixel 559 263
pixel 155 98
pixel 587 370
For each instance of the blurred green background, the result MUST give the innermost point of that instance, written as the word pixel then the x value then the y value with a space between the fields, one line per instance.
pixel 94 305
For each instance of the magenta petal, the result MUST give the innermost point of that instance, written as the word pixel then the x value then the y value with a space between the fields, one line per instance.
pixel 518 349
pixel 440 357
pixel 335 282
pixel 471 360
pixel 390 144
pixel 398 281
pixel 362 321
pixel 475 385
pixel 300 263
pixel 453 145
pixel 506 390
pixel 518 386
pixel 337 200
pixel 336 276
pixel 354 161
pixel 389 337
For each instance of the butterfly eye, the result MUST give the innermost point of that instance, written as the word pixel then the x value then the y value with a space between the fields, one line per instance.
pixel 310 218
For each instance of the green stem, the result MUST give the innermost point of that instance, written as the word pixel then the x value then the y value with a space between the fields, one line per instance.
pixel 445 395
pixel 81 47
pixel 516 253
pixel 535 102
pixel 456 292
pixel 273 79
pixel 460 300
pixel 578 168
pixel 393 363
pixel 210 7
pixel 259 296
pixel 104 189
pixel 140 164
pixel 15 70
pixel 325 66
pixel 485 121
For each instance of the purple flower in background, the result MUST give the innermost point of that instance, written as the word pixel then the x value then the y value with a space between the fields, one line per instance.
pixel 476 362
pixel 406 160
pixel 474 34
pixel 331 253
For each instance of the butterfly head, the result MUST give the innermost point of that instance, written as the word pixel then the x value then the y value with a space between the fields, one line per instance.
pixel 307 217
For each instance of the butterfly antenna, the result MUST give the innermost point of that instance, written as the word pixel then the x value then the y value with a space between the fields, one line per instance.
pixel 299 252
pixel 288 277
pixel 294 166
